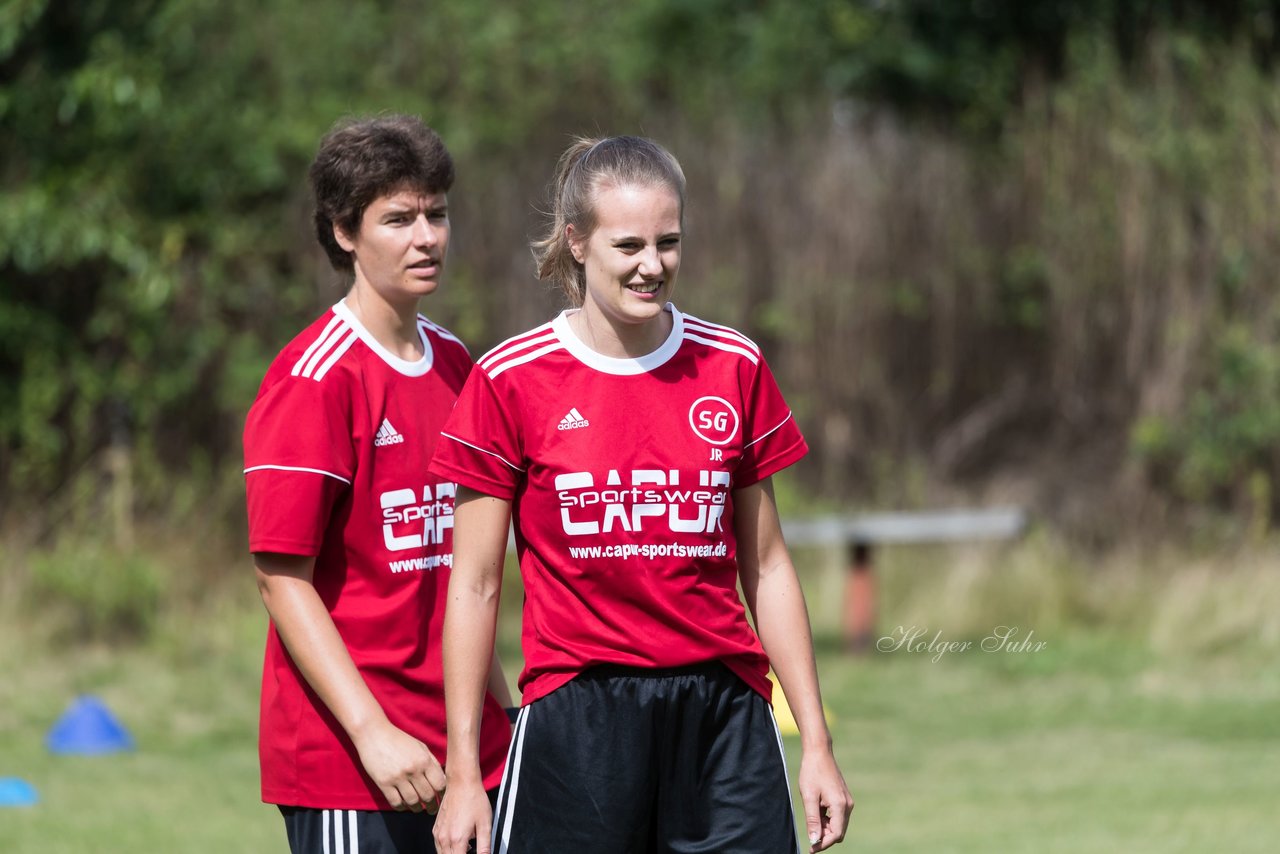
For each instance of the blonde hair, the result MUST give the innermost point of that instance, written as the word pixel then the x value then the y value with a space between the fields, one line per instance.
pixel 585 167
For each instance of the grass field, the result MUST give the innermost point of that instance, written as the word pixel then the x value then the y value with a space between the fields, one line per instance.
pixel 1141 737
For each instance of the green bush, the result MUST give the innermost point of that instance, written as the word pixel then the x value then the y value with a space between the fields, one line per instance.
pixel 95 592
pixel 1224 445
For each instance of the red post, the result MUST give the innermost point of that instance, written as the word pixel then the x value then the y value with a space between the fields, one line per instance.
pixel 860 600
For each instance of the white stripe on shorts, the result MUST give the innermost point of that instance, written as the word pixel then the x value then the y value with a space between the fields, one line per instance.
pixel 777 733
pixel 324 831
pixel 513 765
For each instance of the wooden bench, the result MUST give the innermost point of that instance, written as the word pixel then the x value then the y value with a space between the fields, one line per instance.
pixel 860 534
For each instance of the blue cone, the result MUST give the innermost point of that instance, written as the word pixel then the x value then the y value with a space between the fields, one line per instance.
pixel 87 727
pixel 17 793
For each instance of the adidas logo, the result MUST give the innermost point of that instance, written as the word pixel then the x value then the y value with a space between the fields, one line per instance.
pixel 387 435
pixel 573 421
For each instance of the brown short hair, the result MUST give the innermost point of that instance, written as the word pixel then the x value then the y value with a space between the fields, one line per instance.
pixel 362 159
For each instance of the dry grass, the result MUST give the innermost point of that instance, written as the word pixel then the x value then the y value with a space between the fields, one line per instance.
pixel 1162 602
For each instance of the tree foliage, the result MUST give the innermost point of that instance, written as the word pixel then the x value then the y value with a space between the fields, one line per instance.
pixel 154 243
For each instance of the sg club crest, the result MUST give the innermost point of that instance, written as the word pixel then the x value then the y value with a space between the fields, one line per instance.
pixel 714 420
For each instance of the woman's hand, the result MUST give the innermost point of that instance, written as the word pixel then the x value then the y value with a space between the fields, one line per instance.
pixel 827 802
pixel 464 815
pixel 404 770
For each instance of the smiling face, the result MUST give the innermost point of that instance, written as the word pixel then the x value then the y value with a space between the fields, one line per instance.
pixel 630 260
pixel 400 249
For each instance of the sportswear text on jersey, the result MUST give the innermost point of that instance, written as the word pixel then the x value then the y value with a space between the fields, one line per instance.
pixel 590 505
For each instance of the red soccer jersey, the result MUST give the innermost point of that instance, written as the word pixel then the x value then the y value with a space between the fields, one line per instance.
pixel 336 452
pixel 622 473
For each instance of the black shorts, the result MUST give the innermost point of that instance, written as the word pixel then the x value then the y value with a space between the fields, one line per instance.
pixel 317 831
pixel 640 761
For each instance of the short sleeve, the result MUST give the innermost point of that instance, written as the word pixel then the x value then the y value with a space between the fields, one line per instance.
pixel 480 446
pixel 771 438
pixel 299 458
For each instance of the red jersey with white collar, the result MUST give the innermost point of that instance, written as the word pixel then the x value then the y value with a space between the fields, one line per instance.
pixel 336 452
pixel 621 474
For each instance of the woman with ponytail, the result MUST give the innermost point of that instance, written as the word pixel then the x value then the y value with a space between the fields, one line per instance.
pixel 633 445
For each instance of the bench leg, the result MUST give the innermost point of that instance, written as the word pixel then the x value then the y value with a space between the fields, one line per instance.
pixel 860 600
